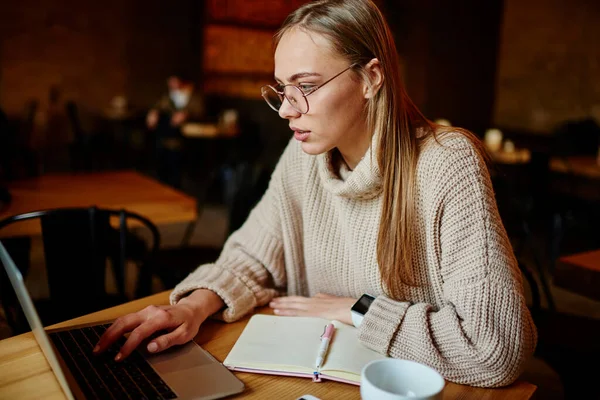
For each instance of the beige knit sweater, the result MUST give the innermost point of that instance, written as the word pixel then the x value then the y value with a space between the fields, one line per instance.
pixel 315 230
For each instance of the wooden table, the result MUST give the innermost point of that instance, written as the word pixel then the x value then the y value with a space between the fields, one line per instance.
pixel 577 176
pixel 583 166
pixel 117 189
pixel 580 273
pixel 194 130
pixel 26 374
pixel 518 156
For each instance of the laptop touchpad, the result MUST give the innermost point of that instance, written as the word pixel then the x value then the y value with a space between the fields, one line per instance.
pixel 179 358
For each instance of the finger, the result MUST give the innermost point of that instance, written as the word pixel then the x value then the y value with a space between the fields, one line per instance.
pixel 142 332
pixel 180 335
pixel 290 300
pixel 286 312
pixel 292 305
pixel 291 312
pixel 323 296
pixel 121 326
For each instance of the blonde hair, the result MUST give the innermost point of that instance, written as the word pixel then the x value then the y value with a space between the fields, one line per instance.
pixel 358 31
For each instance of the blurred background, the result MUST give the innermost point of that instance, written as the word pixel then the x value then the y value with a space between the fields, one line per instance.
pixel 166 95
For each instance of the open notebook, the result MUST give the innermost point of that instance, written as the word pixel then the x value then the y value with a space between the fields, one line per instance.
pixel 289 346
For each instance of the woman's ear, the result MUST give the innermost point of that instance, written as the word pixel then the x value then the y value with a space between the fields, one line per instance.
pixel 375 78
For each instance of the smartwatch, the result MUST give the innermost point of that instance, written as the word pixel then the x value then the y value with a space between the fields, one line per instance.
pixel 360 308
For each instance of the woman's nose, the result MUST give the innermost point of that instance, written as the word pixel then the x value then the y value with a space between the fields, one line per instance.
pixel 286 110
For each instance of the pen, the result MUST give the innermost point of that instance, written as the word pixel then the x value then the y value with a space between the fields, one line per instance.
pixel 325 339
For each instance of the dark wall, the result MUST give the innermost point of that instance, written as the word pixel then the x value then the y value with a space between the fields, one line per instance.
pixel 549 69
pixel 94 51
pixel 449 51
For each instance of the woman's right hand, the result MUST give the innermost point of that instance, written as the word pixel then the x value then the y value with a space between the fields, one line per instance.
pixel 182 321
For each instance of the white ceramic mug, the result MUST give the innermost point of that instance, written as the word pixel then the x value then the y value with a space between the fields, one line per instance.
pixel 394 379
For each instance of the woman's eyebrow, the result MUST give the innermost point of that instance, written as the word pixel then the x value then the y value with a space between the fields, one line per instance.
pixel 298 75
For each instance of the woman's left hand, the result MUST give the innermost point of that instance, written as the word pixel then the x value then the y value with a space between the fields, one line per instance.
pixel 321 305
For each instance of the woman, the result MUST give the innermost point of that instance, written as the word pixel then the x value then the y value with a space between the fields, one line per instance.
pixel 369 197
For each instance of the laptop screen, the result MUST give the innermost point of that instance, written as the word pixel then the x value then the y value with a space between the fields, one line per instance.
pixel 16 279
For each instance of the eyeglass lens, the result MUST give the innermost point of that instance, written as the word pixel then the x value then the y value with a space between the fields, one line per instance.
pixel 293 95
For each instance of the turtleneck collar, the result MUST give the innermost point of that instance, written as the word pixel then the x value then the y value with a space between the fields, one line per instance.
pixel 362 183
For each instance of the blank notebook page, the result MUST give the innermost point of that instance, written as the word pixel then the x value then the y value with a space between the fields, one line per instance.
pixel 273 342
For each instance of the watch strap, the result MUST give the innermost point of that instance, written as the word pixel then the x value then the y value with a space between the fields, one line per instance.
pixel 356 318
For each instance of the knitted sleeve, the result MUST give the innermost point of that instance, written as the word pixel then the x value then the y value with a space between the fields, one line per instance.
pixel 251 269
pixel 484 332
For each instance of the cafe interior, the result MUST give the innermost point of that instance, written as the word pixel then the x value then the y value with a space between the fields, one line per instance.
pixel 82 89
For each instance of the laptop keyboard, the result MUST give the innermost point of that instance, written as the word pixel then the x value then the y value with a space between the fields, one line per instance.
pixel 99 376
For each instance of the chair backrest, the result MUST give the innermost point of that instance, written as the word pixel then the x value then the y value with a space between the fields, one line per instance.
pixel 28 122
pixel 4 123
pixel 251 184
pixel 577 137
pixel 72 112
pixel 77 243
pixel 6 143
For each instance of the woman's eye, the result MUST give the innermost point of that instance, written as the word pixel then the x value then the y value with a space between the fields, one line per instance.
pixel 306 88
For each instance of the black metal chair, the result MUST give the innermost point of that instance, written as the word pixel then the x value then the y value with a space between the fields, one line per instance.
pixel 515 197
pixel 90 150
pixel 174 264
pixel 7 146
pixel 80 149
pixel 77 243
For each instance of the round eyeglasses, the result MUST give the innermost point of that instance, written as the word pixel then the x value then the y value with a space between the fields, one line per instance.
pixel 294 94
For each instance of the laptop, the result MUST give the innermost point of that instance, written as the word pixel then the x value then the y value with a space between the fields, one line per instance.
pixel 181 372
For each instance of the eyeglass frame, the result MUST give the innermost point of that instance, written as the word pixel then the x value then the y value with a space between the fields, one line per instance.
pixel 282 95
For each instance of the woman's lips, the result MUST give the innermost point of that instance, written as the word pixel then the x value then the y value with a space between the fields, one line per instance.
pixel 301 136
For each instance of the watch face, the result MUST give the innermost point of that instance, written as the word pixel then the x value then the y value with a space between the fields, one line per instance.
pixel 363 304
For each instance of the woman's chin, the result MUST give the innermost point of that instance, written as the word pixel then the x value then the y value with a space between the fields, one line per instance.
pixel 313 149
